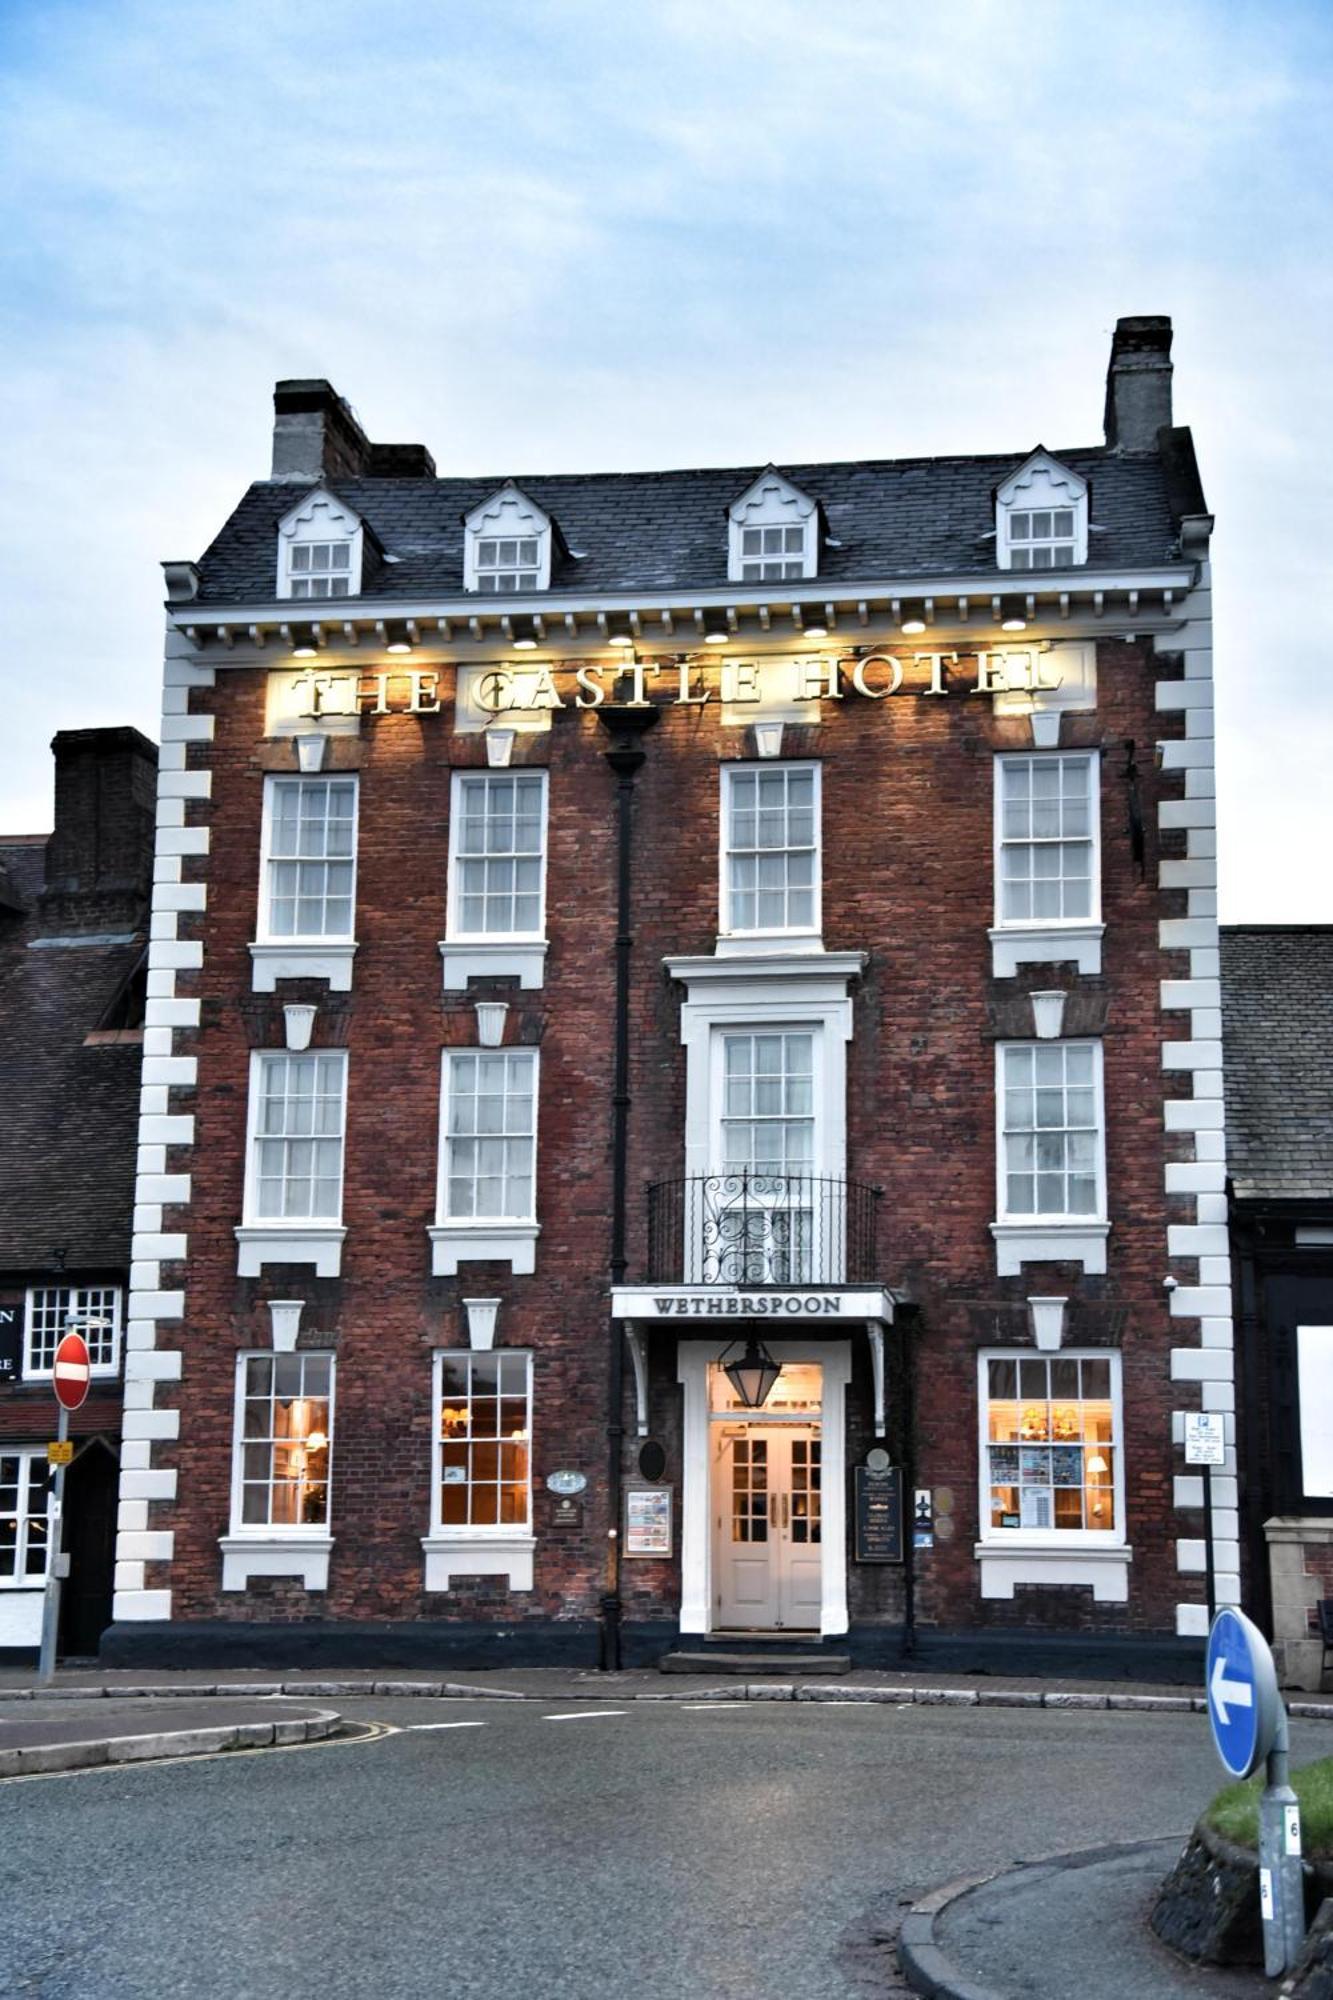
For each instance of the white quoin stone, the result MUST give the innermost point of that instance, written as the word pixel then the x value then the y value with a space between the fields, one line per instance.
pixel 481 1318
pixel 1048 1013
pixel 499 746
pixel 298 1020
pixel 1048 1322
pixel 491 1022
pixel 286 1317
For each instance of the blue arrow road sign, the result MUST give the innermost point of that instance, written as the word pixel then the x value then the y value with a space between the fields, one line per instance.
pixel 1241 1685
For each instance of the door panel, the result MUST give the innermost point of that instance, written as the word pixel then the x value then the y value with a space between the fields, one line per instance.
pixel 767 1550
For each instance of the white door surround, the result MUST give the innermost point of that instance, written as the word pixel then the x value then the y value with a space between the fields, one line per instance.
pixel 697 1589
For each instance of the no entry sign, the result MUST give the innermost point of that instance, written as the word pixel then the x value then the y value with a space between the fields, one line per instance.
pixel 72 1372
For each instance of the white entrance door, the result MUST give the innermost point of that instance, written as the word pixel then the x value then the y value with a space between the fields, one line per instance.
pixel 768 1558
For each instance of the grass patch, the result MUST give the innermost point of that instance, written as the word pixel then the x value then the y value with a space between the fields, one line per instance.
pixel 1234 1813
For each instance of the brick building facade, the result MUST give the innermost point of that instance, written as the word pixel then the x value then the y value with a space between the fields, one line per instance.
pixel 608 928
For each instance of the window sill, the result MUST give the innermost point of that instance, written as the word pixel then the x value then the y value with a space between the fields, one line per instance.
pixel 1045 944
pixel 1019 1243
pixel 455 1243
pixel 764 944
pixel 1105 1569
pixel 316 1243
pixel 525 962
pixel 506 1552
pixel 302 1555
pixel 289 958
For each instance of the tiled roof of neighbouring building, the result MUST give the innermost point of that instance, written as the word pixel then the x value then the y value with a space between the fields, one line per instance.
pixel 651 531
pixel 1277 1023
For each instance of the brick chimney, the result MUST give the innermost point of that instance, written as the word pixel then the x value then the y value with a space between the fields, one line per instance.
pixel 316 437
pixel 1138 382
pixel 99 860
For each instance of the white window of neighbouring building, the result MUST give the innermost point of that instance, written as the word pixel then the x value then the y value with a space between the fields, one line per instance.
pixel 1041 517
pixel 308 882
pixel 23 1517
pixel 298 1113
pixel 483 1441
pixel 319 550
pixel 773 532
pixel 770 850
pixel 284 1443
pixel 52 1311
pixel 488 1156
pixel 507 545
pixel 497 848
pixel 1052 1150
pixel 1050 1447
pixel 1046 839
pixel 1314 1366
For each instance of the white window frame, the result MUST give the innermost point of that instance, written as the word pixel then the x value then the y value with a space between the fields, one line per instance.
pixel 1041 484
pixel 503 1549
pixel 727 929
pixel 322 518
pixel 276 1549
pixel 265 933
pixel 80 1309
pixel 322 956
pixel 508 515
pixel 316 1240
pixel 1038 1238
pixel 1314 1359
pixel 492 954
pixel 459 1239
pixel 1071 1538
pixel 1006 759
pixel 772 502
pixel 28 1456
pixel 723 1032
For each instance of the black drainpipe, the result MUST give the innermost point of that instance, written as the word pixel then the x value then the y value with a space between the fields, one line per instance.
pixel 626 724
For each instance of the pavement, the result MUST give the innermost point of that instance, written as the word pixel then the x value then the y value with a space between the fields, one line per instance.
pixel 48 1731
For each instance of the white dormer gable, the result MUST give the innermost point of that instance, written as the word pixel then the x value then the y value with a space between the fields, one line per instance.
pixel 773 532
pixel 1041 516
pixel 507 544
pixel 320 546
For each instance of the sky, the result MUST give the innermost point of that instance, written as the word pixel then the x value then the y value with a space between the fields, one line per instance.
pixel 593 236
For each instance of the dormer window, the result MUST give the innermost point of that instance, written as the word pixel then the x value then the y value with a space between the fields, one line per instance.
pixel 320 549
pixel 773 531
pixel 1041 517
pixel 507 547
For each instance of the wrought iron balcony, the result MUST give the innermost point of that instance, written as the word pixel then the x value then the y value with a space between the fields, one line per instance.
pixel 749 1228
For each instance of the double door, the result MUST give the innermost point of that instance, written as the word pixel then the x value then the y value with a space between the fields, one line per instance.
pixel 767 1546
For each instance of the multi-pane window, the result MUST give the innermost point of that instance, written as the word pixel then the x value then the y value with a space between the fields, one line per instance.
pixel 299 1110
pixel 309 858
pixel 284 1422
pixel 771 848
pixel 498 838
pixel 52 1311
pixel 488 1163
pixel 24 1480
pixel 484 1438
pixel 1041 538
pixel 319 569
pixel 1046 838
pixel 1049 1453
pixel 768 1108
pixel 508 563
pixel 1050 1128
pixel 769 555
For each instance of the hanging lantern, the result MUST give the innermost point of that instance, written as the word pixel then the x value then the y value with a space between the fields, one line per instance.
pixel 753 1376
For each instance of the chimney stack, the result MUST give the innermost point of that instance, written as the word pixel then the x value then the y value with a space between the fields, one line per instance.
pixel 316 438
pixel 1138 382
pixel 99 860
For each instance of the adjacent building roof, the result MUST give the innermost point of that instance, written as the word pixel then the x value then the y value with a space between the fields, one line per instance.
pixel 646 531
pixel 1277 1024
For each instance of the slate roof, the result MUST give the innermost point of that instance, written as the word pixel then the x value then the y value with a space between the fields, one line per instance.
pixel 1277 1025
pixel 657 531
pixel 70 1125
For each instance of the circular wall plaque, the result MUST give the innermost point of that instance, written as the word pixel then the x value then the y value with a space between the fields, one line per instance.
pixel 567 1482
pixel 652 1460
pixel 877 1459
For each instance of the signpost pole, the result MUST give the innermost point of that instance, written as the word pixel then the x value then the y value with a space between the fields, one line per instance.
pixel 1281 1873
pixel 1210 1579
pixel 46 1663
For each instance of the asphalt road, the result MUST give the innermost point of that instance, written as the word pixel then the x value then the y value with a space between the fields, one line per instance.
pixel 741 1852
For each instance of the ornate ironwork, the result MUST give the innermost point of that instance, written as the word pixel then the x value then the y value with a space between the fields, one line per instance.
pixel 748 1228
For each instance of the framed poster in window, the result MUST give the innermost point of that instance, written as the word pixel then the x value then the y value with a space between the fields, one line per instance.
pixel 648 1515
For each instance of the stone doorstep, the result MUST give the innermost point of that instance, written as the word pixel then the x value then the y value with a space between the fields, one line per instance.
pixel 713 1662
pixel 32 1759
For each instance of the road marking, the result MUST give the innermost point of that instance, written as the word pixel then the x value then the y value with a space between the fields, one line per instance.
pixel 585 1715
pixel 697 1707
pixel 415 1728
